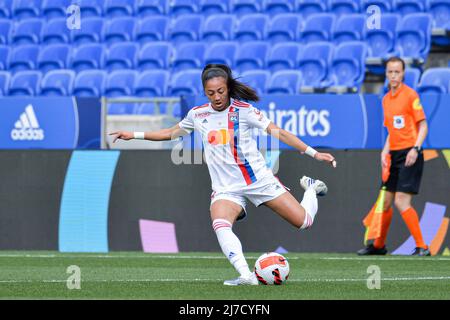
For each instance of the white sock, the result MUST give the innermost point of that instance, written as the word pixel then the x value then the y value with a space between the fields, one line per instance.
pixel 231 246
pixel 309 203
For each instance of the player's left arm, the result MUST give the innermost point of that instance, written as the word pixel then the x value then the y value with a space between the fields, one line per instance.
pixel 412 155
pixel 418 114
pixel 293 141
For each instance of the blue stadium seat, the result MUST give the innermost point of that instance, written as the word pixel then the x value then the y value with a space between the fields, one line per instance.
pixel 412 76
pixel 251 27
pixel 55 56
pixel 440 10
pixel 152 83
pixel 119 29
pixel 5 30
pixel 88 56
pixel 209 7
pixel 121 55
pixel 411 79
pixel 5 8
pixel 242 8
pixel 314 63
pixel 24 58
pixel 91 8
pixel 181 7
pixel 118 8
pixel 251 55
pixel 257 79
pixel 414 36
pixel 55 8
pixel 284 27
pixel 5 52
pixel 275 7
pixel 221 52
pixel 310 7
pixel 28 31
pixel 348 65
pixel 405 7
pixel 90 83
pixel 285 82
pixel 381 43
pixel 186 82
pixel 188 56
pixel 57 83
pixel 55 31
pixel 23 9
pixel 155 55
pixel 5 78
pixel 120 83
pixel 318 27
pixel 218 27
pixel 186 28
pixel 435 80
pixel 349 28
pixel 25 83
pixel 152 28
pixel 383 5
pixel 145 8
pixel 283 56
pixel 341 7
pixel 92 31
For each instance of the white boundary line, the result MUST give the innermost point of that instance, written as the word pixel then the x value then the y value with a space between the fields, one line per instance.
pixel 154 256
pixel 220 280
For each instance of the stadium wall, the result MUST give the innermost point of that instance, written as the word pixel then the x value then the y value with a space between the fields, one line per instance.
pixel 100 201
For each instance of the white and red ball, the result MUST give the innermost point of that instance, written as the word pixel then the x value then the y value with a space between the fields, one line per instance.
pixel 272 268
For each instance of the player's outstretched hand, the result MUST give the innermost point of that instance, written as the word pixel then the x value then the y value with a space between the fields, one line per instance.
pixel 326 157
pixel 124 135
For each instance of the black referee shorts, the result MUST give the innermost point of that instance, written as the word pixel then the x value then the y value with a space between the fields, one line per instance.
pixel 401 178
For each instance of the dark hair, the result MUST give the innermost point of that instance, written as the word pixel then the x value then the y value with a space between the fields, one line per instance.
pixel 396 59
pixel 237 90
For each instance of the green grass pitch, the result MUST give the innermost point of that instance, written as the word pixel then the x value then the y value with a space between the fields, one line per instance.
pixel 192 276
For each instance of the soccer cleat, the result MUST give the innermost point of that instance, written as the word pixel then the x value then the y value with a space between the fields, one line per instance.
pixel 319 186
pixel 421 252
pixel 371 250
pixel 250 281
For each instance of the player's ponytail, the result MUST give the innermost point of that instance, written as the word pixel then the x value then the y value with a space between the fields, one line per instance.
pixel 237 90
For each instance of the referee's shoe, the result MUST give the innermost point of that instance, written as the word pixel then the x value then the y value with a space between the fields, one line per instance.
pixel 421 252
pixel 371 250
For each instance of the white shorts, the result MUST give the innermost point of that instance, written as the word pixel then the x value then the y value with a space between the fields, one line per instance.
pixel 258 193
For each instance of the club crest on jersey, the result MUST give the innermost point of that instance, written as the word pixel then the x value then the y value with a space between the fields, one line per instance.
pixel 233 117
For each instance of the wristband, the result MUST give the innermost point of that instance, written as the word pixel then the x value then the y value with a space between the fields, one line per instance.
pixel 310 152
pixel 139 135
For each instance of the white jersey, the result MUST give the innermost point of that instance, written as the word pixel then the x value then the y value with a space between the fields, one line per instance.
pixel 231 152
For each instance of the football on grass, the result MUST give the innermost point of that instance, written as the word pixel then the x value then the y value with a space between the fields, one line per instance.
pixel 272 268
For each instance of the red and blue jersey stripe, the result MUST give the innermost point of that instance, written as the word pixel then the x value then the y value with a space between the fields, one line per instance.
pixel 243 164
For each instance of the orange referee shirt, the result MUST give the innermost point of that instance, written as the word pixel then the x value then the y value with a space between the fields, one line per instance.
pixel 402 113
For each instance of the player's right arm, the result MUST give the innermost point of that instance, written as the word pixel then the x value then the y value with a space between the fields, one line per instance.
pixel 160 135
pixel 182 128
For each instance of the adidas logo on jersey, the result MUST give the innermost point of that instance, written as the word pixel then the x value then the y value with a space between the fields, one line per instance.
pixel 205 121
pixel 27 127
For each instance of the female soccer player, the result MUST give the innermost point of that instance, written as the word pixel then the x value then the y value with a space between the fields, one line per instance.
pixel 407 128
pixel 238 170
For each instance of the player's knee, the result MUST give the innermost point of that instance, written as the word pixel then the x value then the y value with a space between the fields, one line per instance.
pixel 402 202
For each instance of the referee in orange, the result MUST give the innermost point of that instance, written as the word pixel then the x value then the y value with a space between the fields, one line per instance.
pixel 407 128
